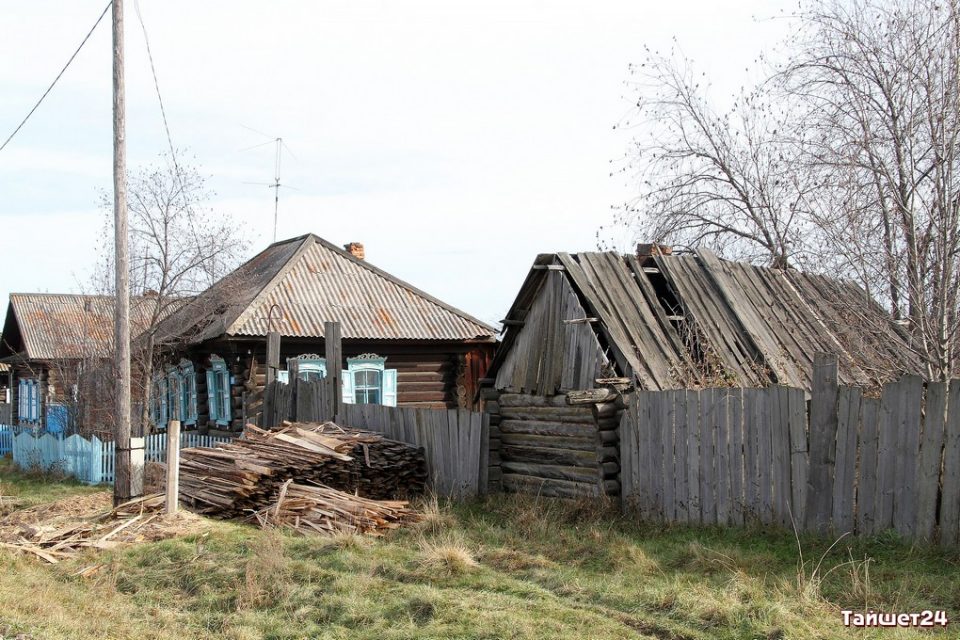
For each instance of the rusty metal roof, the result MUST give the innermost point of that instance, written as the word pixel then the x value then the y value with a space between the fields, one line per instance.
pixel 308 281
pixel 51 326
pixel 762 326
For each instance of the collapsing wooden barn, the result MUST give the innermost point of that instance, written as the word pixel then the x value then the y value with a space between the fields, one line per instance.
pixel 587 327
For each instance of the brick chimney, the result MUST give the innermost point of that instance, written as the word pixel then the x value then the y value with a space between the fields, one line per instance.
pixel 355 249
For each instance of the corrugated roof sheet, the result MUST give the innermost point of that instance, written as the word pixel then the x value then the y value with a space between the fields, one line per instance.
pixel 762 325
pixel 312 282
pixel 66 326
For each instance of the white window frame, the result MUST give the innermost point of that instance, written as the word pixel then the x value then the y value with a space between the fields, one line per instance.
pixel 387 388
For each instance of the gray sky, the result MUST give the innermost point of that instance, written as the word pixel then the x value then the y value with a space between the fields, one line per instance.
pixel 456 140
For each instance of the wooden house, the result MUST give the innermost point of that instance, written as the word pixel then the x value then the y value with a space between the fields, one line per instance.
pixel 59 351
pixel 401 345
pixel 586 326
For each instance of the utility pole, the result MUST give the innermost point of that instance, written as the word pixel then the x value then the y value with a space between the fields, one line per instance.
pixel 122 477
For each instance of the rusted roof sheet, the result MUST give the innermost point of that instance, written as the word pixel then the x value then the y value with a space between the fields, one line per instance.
pixel 53 326
pixel 307 281
pixel 761 326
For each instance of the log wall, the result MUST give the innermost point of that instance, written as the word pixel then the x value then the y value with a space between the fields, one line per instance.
pixel 555 449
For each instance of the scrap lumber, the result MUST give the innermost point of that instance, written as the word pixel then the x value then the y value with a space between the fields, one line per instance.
pixel 319 510
pixel 238 478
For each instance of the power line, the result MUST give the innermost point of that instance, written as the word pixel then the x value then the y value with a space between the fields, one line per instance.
pixel 87 37
pixel 156 85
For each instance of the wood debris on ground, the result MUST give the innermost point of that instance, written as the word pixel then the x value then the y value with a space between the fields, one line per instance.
pixel 238 478
pixel 325 511
pixel 62 529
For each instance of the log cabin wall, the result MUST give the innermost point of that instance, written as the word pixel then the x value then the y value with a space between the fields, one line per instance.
pixel 434 375
pixel 557 349
pixel 551 448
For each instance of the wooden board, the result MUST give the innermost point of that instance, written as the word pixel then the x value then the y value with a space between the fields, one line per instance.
pixel 950 500
pixel 823 437
pixel 845 470
pixel 931 456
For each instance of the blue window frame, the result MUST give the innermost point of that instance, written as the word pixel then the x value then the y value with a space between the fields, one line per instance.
pixel 310 367
pixel 160 404
pixel 28 400
pixel 367 381
pixel 218 391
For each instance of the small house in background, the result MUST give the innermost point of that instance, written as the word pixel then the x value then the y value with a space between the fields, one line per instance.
pixel 401 345
pixel 58 350
pixel 586 326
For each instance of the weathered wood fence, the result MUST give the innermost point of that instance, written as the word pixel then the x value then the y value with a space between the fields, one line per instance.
pixel 842 463
pixel 455 441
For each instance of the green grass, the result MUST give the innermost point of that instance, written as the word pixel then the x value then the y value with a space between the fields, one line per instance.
pixel 31 489
pixel 507 567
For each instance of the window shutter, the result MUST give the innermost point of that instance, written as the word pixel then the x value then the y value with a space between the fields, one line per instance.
pixel 164 403
pixel 389 387
pixel 346 378
pixel 22 399
pixel 225 391
pixel 34 401
pixel 212 396
pixel 323 368
pixel 192 410
pixel 283 376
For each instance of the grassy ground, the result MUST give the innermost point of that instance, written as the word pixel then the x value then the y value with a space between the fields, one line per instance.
pixel 507 567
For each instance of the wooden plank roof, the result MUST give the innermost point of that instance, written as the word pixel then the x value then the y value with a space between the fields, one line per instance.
pixel 762 326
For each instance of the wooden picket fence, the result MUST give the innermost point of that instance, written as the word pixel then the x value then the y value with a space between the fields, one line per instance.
pixel 842 463
pixel 90 460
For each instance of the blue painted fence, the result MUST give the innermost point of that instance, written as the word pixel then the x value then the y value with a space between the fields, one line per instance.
pixel 89 460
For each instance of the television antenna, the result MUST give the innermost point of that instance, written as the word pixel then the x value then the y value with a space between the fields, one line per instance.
pixel 276 184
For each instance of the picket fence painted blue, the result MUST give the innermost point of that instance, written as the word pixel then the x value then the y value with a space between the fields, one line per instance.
pixel 91 461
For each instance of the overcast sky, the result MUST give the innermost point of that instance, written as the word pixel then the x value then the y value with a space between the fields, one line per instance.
pixel 456 140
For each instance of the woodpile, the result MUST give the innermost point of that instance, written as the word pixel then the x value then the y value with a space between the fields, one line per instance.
pixel 239 478
pixel 325 511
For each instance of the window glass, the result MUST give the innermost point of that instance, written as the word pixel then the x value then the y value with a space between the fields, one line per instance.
pixel 366 386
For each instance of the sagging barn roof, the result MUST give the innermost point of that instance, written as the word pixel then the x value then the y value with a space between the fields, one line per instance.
pixel 669 320
pixel 54 326
pixel 296 285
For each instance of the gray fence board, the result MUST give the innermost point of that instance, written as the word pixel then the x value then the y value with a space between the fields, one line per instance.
pixel 950 501
pixel 867 482
pixel 848 424
pixel 931 452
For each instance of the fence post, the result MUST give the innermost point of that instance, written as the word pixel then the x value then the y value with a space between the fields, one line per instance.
pixel 137 467
pixel 333 350
pixel 173 465
pixel 273 355
pixel 824 420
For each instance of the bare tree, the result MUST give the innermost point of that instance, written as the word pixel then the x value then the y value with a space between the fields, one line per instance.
pixel 723 180
pixel 178 248
pixel 844 160
pixel 879 83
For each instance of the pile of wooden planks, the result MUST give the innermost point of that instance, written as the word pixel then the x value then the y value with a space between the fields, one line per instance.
pixel 235 479
pixel 325 511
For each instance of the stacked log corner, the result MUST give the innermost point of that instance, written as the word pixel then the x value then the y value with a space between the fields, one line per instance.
pixel 494 473
pixel 550 447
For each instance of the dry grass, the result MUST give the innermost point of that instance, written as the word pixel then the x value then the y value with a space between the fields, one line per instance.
pixel 434 517
pixel 448 554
